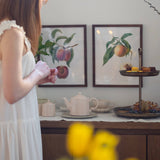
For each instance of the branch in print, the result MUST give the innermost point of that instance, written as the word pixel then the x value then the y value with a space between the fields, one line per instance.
pixel 152 6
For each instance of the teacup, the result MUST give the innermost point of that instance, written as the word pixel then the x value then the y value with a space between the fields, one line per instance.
pixel 103 106
pixel 102 103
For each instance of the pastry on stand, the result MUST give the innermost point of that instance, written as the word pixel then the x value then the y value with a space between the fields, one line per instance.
pixel 141 109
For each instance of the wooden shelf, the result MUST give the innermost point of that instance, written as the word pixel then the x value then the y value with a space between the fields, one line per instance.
pixel 137 139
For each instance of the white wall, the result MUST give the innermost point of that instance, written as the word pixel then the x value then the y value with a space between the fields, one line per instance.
pixel 108 12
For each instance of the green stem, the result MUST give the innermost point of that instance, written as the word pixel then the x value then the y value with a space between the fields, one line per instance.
pixel 72 46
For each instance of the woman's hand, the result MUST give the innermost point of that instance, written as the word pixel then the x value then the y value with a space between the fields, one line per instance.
pixel 42 70
pixel 50 78
pixel 53 75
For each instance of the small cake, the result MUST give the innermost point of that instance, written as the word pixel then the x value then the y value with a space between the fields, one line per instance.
pixel 128 67
pixel 135 69
pixel 153 69
pixel 146 69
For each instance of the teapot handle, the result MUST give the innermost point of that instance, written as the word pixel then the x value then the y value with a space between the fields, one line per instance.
pixel 97 102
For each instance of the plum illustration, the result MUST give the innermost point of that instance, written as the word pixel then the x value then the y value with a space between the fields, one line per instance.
pixel 63 54
pixel 60 54
pixel 62 72
pixel 67 54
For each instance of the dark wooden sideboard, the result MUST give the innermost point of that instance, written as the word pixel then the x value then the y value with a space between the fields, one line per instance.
pixel 138 139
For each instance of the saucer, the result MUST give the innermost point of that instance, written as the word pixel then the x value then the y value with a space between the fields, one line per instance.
pixel 102 110
pixel 68 115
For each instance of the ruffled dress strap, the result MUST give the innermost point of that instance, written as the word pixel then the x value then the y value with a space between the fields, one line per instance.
pixel 8 24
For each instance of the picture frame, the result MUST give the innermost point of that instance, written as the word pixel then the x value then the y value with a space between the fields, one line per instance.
pixel 66 50
pixel 115 46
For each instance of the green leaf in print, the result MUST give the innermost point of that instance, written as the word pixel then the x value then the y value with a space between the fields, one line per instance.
pixel 109 53
pixel 60 37
pixel 126 35
pixel 40 40
pixel 53 52
pixel 117 43
pixel 41 47
pixel 53 44
pixel 48 43
pixel 72 54
pixel 111 42
pixel 68 40
pixel 43 53
pixel 54 32
pixel 127 45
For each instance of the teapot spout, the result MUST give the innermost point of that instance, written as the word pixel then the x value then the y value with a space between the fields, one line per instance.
pixel 68 104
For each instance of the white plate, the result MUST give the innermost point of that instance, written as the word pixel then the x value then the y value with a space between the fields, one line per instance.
pixel 68 115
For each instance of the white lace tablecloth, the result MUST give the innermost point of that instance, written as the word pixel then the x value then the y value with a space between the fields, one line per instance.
pixel 101 117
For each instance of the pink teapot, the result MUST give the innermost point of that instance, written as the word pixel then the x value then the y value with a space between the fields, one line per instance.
pixel 79 104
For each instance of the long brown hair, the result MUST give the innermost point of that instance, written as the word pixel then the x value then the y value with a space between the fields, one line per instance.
pixel 27 14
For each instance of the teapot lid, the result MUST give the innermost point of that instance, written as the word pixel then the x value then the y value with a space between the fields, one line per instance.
pixel 79 96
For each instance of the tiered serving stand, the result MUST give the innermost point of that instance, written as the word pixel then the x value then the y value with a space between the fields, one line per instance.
pixel 126 111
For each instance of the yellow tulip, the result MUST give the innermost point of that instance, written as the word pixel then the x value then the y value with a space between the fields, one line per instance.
pixel 102 154
pixel 78 139
pixel 132 159
pixel 106 139
pixel 103 146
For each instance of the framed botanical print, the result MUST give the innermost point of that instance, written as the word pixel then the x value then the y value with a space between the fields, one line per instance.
pixel 64 47
pixel 114 48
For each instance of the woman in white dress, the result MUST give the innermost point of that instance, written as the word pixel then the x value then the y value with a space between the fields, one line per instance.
pixel 20 27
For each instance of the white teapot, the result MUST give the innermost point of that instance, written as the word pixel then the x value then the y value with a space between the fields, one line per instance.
pixel 79 104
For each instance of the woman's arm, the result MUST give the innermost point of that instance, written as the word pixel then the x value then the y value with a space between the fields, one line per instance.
pixel 15 86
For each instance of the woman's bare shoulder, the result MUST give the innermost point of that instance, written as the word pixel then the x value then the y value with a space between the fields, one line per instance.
pixel 12 40
pixel 13 33
pixel 13 36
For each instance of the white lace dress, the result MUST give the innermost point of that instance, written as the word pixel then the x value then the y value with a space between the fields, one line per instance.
pixel 20 135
